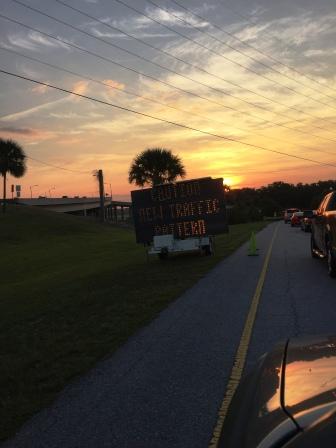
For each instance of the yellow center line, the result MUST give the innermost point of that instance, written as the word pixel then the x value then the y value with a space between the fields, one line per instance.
pixel 240 357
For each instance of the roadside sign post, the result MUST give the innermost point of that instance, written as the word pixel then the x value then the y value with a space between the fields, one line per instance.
pixel 18 190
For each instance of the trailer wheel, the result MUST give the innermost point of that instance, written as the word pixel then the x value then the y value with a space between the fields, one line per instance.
pixel 163 255
pixel 207 250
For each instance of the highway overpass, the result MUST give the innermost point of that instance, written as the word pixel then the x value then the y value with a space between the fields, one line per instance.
pixel 114 210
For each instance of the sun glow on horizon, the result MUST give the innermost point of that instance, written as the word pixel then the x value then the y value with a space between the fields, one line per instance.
pixel 232 181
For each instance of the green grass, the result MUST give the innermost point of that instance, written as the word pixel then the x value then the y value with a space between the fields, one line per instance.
pixel 72 291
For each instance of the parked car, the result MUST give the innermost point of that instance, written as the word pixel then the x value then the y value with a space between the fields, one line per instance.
pixel 288 214
pixel 323 238
pixel 288 400
pixel 307 220
pixel 296 219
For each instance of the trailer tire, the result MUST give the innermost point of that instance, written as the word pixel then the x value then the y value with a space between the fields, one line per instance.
pixel 163 255
pixel 207 250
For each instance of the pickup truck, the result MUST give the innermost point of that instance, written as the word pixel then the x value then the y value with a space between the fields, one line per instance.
pixel 323 238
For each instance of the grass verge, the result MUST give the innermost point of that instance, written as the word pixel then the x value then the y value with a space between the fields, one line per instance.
pixel 72 292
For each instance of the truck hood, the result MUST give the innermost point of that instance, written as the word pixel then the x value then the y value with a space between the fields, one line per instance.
pixel 291 388
pixel 310 378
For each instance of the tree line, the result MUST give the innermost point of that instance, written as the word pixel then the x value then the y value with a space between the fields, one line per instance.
pixel 252 204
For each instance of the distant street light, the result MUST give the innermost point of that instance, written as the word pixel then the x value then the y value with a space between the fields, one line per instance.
pixel 51 188
pixel 31 192
pixel 105 183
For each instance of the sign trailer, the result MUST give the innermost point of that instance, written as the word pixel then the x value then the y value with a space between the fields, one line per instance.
pixel 181 216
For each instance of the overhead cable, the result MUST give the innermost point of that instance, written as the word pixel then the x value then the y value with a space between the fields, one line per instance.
pixel 244 43
pixel 58 167
pixel 210 100
pixel 125 91
pixel 215 89
pixel 211 50
pixel 173 123
pixel 248 20
pixel 167 53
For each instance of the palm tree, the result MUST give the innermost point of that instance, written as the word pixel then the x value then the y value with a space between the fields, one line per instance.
pixel 155 166
pixel 12 161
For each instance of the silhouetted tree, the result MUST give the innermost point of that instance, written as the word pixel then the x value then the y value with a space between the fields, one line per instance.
pixel 12 161
pixel 155 166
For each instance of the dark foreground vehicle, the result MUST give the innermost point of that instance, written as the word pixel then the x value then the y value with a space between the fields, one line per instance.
pixel 323 238
pixel 288 401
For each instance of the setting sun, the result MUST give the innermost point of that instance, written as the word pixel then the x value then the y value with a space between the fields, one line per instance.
pixel 233 181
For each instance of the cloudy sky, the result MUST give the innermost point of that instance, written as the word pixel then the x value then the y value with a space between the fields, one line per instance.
pixel 261 72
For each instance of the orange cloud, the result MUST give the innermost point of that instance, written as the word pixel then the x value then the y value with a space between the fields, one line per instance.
pixel 40 89
pixel 27 134
pixel 81 87
pixel 115 84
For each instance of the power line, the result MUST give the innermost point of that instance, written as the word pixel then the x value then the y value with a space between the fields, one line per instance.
pixel 180 125
pixel 247 45
pixel 77 47
pixel 122 90
pixel 153 78
pixel 163 82
pixel 211 50
pixel 217 90
pixel 55 166
pixel 248 20
pixel 200 69
pixel 247 171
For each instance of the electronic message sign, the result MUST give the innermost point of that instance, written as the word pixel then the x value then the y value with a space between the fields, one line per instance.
pixel 185 209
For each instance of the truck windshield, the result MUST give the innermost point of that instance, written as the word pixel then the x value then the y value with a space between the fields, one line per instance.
pixel 332 203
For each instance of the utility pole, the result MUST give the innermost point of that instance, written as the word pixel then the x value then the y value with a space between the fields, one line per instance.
pixel 101 194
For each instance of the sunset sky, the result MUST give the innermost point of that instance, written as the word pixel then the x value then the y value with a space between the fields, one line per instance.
pixel 240 94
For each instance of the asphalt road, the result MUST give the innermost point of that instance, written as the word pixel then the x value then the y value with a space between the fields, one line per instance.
pixel 163 389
